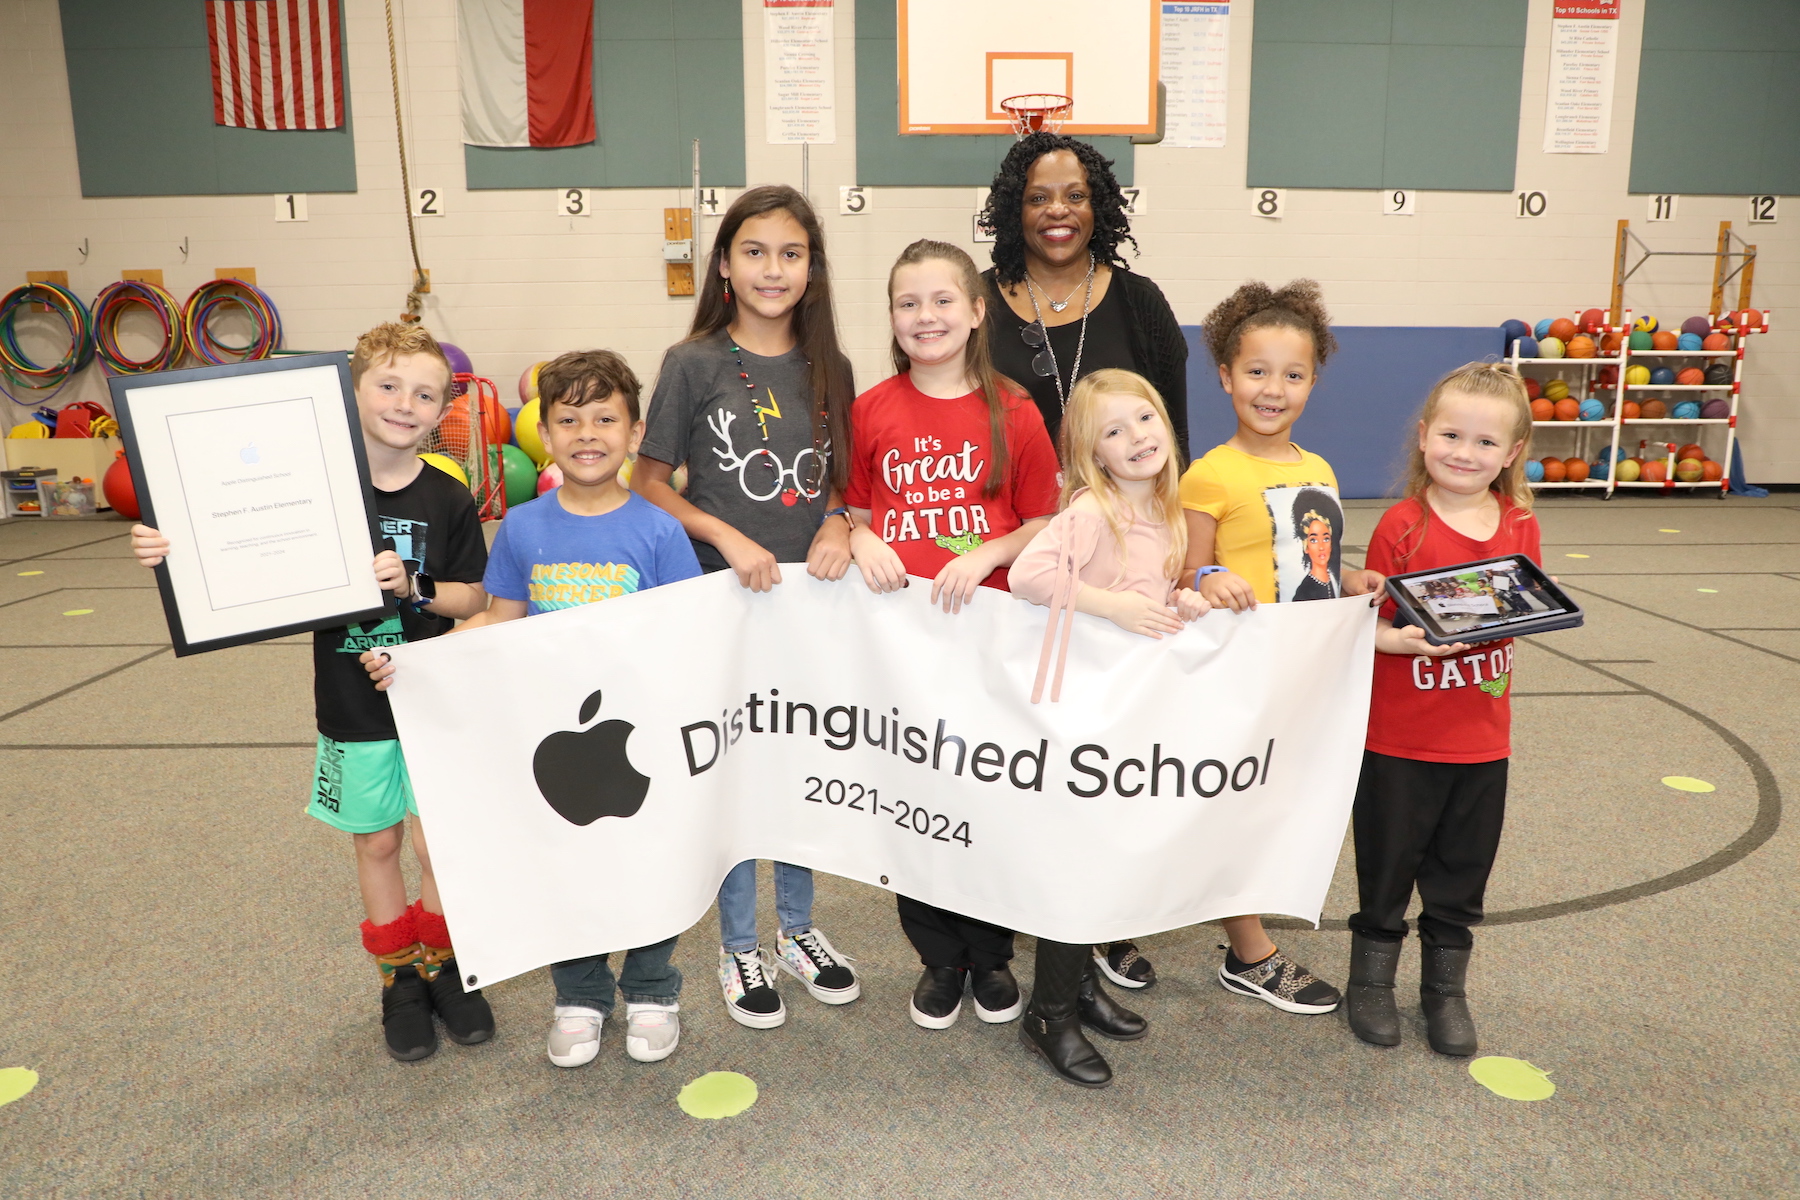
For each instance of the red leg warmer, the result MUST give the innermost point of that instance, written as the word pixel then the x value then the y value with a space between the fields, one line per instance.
pixel 394 936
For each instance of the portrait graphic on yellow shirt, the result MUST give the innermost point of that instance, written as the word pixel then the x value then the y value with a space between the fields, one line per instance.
pixel 1280 525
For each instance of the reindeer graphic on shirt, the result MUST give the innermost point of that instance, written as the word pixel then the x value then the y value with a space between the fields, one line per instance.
pixel 761 474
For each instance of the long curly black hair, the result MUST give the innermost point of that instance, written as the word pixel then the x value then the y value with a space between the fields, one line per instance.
pixel 1003 216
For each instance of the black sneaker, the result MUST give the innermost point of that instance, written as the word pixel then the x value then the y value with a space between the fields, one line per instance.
pixel 1121 963
pixel 749 996
pixel 406 1017
pixel 996 993
pixel 466 1015
pixel 937 999
pixel 1279 981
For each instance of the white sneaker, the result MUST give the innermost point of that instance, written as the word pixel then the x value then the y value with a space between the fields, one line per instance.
pixel 814 961
pixel 575 1035
pixel 652 1031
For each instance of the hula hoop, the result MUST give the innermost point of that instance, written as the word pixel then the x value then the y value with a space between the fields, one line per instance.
pixel 218 293
pixel 18 367
pixel 113 302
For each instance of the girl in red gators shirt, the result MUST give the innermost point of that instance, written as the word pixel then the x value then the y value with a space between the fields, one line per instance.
pixel 951 476
pixel 1432 796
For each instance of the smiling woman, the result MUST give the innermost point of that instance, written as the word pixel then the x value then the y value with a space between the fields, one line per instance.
pixel 1064 302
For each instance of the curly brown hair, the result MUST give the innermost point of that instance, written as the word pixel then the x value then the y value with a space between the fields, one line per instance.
pixel 1255 305
pixel 584 376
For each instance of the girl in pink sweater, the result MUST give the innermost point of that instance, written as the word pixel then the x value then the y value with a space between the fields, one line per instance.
pixel 1116 548
pixel 1113 551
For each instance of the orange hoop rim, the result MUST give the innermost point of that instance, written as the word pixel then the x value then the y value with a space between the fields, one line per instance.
pixel 1034 111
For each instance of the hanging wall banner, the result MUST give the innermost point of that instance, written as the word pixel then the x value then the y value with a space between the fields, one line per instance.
pixel 1196 51
pixel 1584 46
pixel 589 776
pixel 799 79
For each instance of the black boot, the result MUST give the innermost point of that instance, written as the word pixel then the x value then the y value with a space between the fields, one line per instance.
pixel 406 1006
pixel 996 994
pixel 466 1015
pixel 1052 1025
pixel 1448 1026
pixel 1370 993
pixel 1104 1015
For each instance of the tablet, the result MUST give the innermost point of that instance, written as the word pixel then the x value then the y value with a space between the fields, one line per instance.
pixel 1474 602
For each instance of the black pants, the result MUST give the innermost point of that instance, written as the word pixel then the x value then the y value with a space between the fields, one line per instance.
pixel 947 939
pixel 1434 825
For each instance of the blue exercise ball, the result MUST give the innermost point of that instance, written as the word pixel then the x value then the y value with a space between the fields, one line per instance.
pixel 1592 410
pixel 1690 341
pixel 1534 470
pixel 1662 376
pixel 1528 347
pixel 1687 410
pixel 1542 329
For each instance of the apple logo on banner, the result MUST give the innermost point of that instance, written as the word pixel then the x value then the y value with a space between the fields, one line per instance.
pixel 250 454
pixel 588 775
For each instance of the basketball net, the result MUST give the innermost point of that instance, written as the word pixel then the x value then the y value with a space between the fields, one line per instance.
pixel 472 444
pixel 1037 111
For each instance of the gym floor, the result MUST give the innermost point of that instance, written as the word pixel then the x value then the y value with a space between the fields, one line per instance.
pixel 179 960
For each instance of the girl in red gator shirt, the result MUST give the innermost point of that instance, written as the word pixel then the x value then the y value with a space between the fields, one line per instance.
pixel 1432 796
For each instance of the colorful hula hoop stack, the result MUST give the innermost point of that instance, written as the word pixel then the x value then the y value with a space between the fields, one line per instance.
pixel 224 293
pixel 112 303
pixel 18 367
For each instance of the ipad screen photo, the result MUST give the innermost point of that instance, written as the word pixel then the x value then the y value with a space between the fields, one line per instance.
pixel 1484 600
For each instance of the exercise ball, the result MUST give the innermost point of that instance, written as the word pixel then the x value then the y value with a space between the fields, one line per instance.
pixel 520 472
pixel 459 363
pixel 551 478
pixel 525 433
pixel 1526 347
pixel 448 466
pixel 1690 341
pixel 1512 331
pixel 1699 325
pixel 118 489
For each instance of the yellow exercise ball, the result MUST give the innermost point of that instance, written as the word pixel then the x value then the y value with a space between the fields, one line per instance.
pixel 525 432
pixel 448 466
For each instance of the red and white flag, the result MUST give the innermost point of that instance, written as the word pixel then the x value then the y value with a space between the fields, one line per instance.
pixel 527 71
pixel 276 64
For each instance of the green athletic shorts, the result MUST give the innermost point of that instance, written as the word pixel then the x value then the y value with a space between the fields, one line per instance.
pixel 361 787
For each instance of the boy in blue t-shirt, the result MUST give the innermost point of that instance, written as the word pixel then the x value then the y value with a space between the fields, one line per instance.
pixel 590 539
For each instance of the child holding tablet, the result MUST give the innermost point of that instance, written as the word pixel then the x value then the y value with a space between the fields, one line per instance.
pixel 1432 796
pixel 1263 521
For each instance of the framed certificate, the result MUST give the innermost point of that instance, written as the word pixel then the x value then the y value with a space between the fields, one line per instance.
pixel 256 474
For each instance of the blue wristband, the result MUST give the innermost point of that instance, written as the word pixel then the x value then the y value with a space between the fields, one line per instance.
pixel 1200 572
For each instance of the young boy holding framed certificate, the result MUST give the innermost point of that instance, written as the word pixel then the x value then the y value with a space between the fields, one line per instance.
pixel 432 562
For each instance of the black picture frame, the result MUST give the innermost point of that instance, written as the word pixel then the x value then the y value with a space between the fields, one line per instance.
pixel 122 385
pixel 1565 613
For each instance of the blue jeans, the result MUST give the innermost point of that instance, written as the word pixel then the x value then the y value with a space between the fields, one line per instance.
pixel 737 903
pixel 648 977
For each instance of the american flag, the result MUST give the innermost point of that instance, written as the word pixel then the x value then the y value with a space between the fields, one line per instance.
pixel 276 64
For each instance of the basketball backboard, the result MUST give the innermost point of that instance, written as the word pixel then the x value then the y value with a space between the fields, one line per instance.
pixel 960 58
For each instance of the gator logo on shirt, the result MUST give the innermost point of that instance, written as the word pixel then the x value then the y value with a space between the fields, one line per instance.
pixel 1496 687
pixel 386 632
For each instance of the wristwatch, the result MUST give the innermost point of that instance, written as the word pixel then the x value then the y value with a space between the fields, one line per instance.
pixel 1201 572
pixel 424 591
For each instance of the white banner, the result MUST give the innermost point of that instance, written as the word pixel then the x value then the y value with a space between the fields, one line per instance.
pixel 799 72
pixel 589 776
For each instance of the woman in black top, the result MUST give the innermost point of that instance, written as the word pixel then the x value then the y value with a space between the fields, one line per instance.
pixel 1058 219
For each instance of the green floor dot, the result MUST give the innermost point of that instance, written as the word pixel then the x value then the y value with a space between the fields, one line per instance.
pixel 1513 1078
pixel 1668 531
pixel 1713 591
pixel 15 1082
pixel 30 572
pixel 717 1094
pixel 1684 783
pixel 77 612
pixel 1574 556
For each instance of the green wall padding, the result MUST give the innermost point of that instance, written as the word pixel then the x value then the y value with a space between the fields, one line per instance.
pixel 140 87
pixel 885 158
pixel 665 72
pixel 1386 94
pixel 1718 102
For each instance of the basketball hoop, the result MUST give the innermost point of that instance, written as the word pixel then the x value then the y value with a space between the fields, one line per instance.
pixel 1037 111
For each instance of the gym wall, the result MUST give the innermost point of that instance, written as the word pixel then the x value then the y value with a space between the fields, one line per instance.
pixel 515 283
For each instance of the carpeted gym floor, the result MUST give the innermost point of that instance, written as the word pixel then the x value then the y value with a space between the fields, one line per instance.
pixel 178 958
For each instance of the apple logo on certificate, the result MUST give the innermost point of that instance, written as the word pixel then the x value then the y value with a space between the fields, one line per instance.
pixel 587 775
pixel 250 453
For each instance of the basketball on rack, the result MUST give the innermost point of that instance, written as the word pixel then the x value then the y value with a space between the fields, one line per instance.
pixel 1593 321
pixel 1746 320
pixel 1562 329
pixel 1662 339
pixel 1715 341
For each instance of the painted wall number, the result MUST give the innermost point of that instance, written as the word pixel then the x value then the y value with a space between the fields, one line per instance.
pixel 853 200
pixel 708 202
pixel 1136 203
pixel 1268 202
pixel 290 206
pixel 1533 204
pixel 1664 208
pixel 573 202
pixel 1399 202
pixel 428 202
pixel 1763 209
